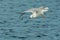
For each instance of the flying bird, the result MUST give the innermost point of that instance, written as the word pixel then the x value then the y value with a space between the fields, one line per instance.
pixel 37 12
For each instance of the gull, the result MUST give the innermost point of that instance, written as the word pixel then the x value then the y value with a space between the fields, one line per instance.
pixel 37 12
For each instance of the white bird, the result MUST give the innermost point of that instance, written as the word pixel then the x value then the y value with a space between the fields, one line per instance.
pixel 37 11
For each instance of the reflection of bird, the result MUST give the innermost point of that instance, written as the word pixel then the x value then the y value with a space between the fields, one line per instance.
pixel 37 11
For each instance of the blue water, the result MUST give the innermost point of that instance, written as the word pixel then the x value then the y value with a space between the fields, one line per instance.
pixel 12 27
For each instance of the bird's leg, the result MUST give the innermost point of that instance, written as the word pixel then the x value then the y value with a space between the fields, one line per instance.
pixel 43 15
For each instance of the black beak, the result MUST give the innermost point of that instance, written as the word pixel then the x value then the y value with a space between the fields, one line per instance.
pixel 21 14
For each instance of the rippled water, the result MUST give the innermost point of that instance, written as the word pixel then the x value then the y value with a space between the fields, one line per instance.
pixel 13 27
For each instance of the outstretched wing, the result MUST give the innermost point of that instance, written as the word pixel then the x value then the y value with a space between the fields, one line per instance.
pixel 31 10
